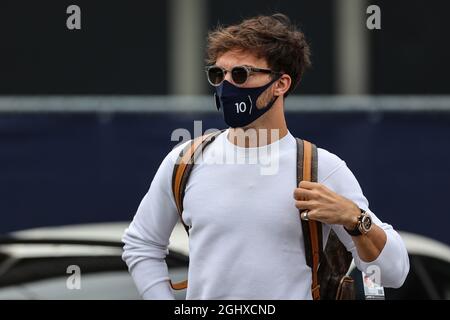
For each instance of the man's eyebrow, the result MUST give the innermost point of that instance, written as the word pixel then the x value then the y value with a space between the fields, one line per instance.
pixel 217 65
pixel 237 65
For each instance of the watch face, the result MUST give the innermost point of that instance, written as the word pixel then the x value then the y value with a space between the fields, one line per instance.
pixel 366 223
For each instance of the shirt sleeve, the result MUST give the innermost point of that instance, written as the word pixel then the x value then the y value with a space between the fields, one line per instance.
pixel 146 239
pixel 393 261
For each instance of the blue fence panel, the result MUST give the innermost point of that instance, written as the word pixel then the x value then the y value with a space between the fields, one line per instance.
pixel 66 168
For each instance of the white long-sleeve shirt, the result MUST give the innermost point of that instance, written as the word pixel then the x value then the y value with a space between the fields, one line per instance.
pixel 246 239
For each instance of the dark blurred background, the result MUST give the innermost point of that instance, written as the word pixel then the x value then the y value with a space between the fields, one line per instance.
pixel 67 156
pixel 131 47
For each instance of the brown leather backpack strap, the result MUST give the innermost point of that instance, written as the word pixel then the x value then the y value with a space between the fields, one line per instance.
pixel 181 171
pixel 307 163
pixel 179 285
pixel 183 168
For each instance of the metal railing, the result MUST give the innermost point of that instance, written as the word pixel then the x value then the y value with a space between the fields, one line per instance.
pixel 150 104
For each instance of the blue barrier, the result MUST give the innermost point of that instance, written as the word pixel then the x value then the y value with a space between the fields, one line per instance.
pixel 67 168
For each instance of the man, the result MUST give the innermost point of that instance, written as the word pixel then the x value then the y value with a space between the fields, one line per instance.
pixel 246 238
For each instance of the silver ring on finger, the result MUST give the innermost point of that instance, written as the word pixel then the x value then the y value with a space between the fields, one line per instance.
pixel 304 215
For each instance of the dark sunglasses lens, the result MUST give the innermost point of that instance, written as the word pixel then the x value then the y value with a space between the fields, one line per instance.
pixel 239 75
pixel 215 75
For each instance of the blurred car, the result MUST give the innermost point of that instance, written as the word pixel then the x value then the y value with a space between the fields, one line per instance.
pixel 33 264
pixel 429 274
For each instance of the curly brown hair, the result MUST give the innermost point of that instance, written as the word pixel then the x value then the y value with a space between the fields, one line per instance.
pixel 273 38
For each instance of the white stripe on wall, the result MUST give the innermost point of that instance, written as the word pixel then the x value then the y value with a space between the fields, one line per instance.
pixel 187 104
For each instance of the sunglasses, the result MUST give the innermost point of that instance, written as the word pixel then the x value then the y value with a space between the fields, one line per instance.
pixel 239 74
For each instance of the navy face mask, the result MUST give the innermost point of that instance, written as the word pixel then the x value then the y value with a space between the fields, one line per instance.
pixel 239 104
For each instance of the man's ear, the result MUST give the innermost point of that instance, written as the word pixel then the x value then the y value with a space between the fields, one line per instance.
pixel 282 85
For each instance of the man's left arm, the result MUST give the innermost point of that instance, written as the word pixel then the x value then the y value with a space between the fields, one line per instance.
pixel 337 201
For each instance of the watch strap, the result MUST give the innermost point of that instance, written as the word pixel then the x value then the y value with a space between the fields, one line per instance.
pixel 356 232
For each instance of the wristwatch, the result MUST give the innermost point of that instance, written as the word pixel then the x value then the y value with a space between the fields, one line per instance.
pixel 363 226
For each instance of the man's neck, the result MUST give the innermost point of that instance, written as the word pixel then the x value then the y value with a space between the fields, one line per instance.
pixel 267 129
